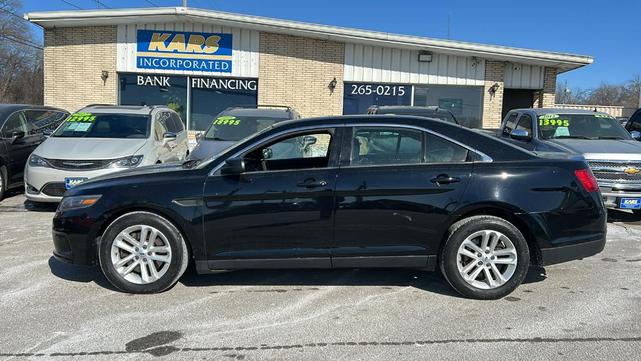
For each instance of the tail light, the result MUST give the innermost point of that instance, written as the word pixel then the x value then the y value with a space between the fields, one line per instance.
pixel 587 179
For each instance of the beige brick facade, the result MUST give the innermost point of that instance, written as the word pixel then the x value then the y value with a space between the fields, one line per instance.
pixel 74 59
pixel 493 103
pixel 546 98
pixel 296 71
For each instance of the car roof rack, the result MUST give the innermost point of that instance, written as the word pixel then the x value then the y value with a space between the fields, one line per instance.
pixel 99 105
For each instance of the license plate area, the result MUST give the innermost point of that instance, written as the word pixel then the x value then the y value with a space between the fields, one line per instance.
pixel 630 203
pixel 72 182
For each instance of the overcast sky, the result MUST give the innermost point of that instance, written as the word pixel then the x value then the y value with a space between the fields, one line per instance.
pixel 607 30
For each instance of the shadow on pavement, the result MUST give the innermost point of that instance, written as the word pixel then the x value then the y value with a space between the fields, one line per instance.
pixel 40 207
pixel 77 273
pixel 617 215
pixel 391 277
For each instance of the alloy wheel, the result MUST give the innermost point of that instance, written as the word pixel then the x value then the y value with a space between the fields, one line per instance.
pixel 487 259
pixel 141 254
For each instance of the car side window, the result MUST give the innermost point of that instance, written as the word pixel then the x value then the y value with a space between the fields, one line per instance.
pixel 17 122
pixel 300 151
pixel 178 125
pixel 525 123
pixel 440 150
pixel 635 122
pixel 41 121
pixel 510 124
pixel 383 146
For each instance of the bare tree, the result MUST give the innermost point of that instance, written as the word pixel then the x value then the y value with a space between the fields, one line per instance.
pixel 21 78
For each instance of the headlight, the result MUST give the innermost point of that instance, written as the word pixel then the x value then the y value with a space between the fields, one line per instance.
pixel 76 202
pixel 127 162
pixel 36 161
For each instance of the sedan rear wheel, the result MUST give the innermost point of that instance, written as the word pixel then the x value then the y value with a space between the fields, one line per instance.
pixel 485 257
pixel 142 252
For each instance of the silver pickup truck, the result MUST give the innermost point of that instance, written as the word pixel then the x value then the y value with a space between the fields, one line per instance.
pixel 613 154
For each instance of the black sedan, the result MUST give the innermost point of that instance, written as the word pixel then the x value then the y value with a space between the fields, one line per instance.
pixel 369 191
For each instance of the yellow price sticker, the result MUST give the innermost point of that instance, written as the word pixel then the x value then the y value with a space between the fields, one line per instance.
pixel 226 120
pixel 554 122
pixel 81 117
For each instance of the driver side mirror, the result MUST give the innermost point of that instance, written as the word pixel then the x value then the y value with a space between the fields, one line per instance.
pixel 308 140
pixel 167 137
pixel 17 135
pixel 636 135
pixel 233 166
pixel 520 134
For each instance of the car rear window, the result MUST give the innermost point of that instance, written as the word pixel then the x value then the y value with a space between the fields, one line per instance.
pixel 104 125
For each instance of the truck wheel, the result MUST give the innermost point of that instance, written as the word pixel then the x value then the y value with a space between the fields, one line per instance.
pixel 142 252
pixel 484 257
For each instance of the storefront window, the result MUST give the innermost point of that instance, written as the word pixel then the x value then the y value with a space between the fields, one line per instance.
pixel 143 89
pixel 466 103
pixel 210 96
pixel 357 97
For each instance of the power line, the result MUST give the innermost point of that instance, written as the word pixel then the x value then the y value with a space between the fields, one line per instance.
pixel 151 3
pixel 100 3
pixel 72 4
pixel 17 38
pixel 20 42
pixel 13 14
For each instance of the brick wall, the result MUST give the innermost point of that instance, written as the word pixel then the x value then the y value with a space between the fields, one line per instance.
pixel 493 104
pixel 74 59
pixel 547 96
pixel 296 71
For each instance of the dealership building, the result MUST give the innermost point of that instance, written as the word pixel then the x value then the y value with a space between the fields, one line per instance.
pixel 200 62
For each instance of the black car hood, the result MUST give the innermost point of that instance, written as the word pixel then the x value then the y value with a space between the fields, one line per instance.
pixel 207 148
pixel 151 169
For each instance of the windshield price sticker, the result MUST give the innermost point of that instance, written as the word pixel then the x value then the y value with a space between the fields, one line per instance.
pixel 226 120
pixel 82 117
pixel 548 116
pixel 607 116
pixel 554 122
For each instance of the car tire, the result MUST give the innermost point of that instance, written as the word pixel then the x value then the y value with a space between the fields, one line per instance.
pixel 133 244
pixel 473 271
pixel 3 181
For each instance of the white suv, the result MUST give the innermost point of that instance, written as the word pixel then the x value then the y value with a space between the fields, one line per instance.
pixel 103 139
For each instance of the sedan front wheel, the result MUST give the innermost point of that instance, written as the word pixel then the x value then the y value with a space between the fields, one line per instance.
pixel 142 252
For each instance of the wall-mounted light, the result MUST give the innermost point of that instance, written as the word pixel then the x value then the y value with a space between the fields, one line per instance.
pixel 493 89
pixel 424 57
pixel 104 76
pixel 332 85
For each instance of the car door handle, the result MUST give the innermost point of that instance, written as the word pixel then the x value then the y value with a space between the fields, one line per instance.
pixel 312 183
pixel 444 179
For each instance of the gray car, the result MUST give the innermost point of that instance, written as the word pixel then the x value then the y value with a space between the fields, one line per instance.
pixel 236 123
pixel 613 154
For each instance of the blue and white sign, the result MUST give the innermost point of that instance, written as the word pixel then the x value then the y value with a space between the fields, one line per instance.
pixel 181 50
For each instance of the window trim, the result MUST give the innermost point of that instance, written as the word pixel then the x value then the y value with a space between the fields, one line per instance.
pixel 339 131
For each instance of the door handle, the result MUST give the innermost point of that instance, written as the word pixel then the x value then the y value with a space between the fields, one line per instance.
pixel 312 183
pixel 444 179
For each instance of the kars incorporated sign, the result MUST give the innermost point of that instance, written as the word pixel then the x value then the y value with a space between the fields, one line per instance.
pixel 181 50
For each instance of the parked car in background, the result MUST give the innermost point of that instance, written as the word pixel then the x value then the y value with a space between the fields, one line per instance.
pixel 103 139
pixel 382 191
pixel 634 122
pixel 236 123
pixel 22 128
pixel 613 154
pixel 429 112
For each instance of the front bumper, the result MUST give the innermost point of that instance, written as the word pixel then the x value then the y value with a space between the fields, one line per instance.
pixel 75 237
pixel 613 193
pixel 47 184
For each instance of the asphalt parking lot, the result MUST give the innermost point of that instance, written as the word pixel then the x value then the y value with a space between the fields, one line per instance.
pixel 587 309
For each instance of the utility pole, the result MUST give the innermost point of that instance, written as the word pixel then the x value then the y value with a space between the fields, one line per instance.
pixel 449 21
pixel 184 3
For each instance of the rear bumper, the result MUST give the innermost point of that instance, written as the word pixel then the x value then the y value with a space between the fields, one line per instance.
pixel 572 252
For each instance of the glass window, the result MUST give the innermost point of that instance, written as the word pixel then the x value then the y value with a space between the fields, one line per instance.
pixel 358 97
pixel 17 122
pixel 179 126
pixel 465 102
pixel 380 146
pixel 44 120
pixel 581 126
pixel 525 123
pixel 160 125
pixel 228 127
pixel 210 96
pixel 510 124
pixel 440 150
pixel 106 125
pixel 144 89
pixel 301 151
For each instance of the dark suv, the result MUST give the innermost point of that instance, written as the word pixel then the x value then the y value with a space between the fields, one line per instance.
pixel 236 123
pixel 22 129
pixel 428 112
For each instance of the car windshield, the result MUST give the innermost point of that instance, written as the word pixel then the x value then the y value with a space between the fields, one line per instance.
pixel 228 127
pixel 104 125
pixel 580 126
pixel 444 116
